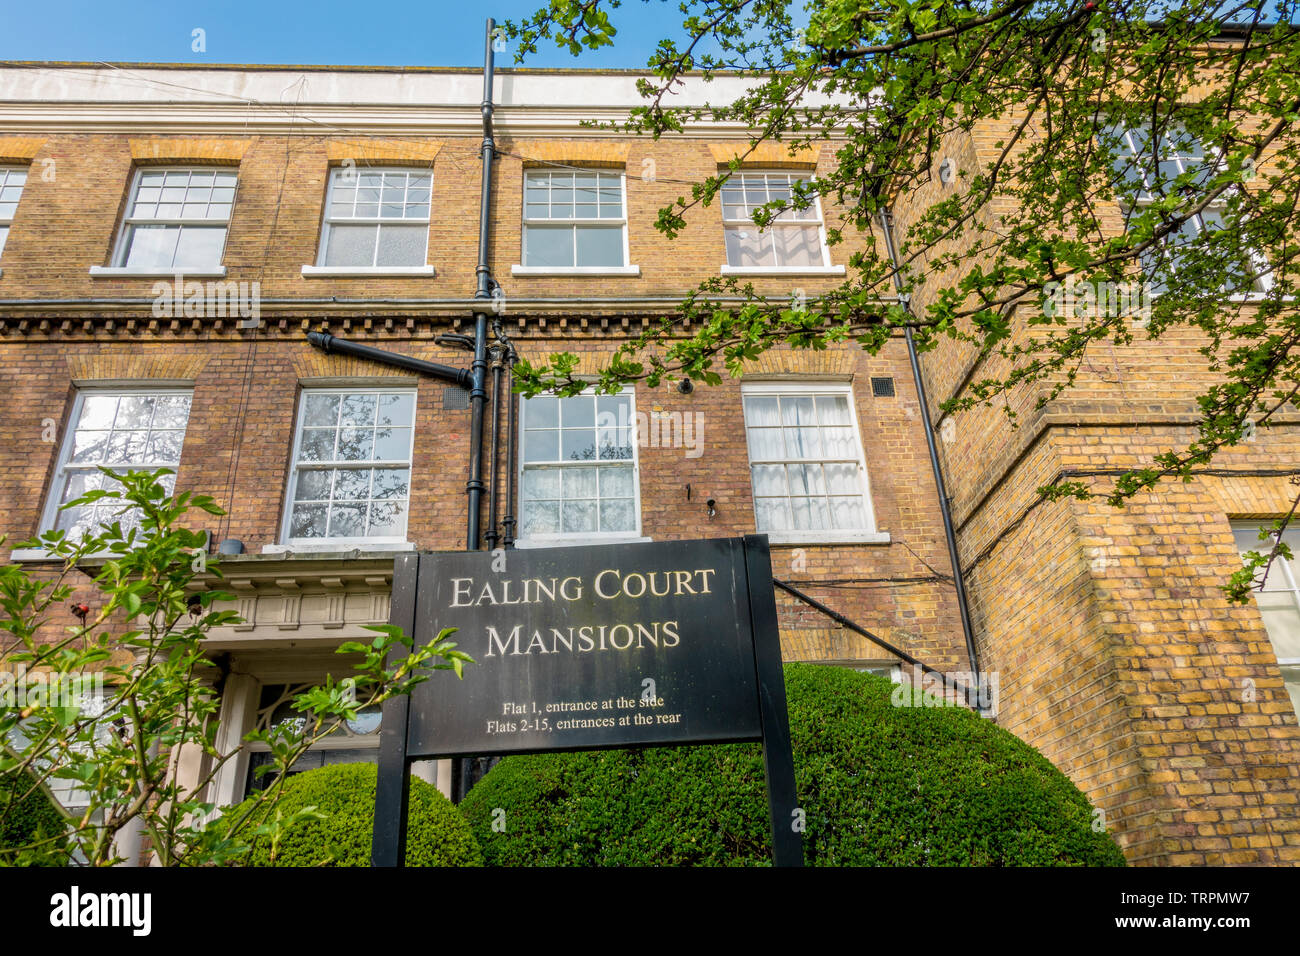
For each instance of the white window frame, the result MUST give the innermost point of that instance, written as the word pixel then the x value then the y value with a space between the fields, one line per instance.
pixel 523 269
pixel 379 543
pixel 564 539
pixel 320 269
pixel 1281 567
pixel 1265 277
pixel 53 499
pixel 119 266
pixel 867 535
pixel 7 222
pixel 826 268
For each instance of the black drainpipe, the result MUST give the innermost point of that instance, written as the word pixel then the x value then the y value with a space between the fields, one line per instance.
pixel 483 295
pixel 498 361
pixel 945 504
pixel 508 522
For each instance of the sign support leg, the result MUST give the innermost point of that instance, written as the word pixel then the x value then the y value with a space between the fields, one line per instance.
pixel 393 784
pixel 778 755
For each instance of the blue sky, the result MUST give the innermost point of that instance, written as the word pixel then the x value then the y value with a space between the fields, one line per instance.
pixel 425 33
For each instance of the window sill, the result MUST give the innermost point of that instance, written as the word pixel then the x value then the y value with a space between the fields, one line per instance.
pixel 827 537
pixel 143 272
pixel 518 270
pixel 346 272
pixel 783 270
pixel 571 541
pixel 24 555
pixel 336 546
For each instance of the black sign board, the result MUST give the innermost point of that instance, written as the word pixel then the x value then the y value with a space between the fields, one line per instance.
pixel 585 648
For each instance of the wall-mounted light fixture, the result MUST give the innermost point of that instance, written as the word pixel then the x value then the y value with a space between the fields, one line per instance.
pixel 712 505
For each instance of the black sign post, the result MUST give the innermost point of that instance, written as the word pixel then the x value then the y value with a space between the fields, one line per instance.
pixel 633 645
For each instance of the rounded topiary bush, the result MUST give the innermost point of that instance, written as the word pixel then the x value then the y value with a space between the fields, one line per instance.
pixel 26 814
pixel 879 785
pixel 436 834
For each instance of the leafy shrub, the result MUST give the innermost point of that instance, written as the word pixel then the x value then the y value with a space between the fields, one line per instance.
pixel 879 784
pixel 436 834
pixel 26 816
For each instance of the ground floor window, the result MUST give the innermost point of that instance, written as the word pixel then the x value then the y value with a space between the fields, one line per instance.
pixel 1278 598
pixel 351 741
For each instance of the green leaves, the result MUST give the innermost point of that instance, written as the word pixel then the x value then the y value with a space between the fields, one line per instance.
pixel 118 702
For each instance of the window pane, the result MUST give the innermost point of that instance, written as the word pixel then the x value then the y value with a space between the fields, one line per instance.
pixel 317 444
pixel 396 409
pixel 391 483
pixel 579 483
pixel 359 409
pixel 351 484
pixel 88 447
pixel 808 514
pixel 4 235
pixel 616 482
pixel 314 485
pixel 797 246
pixel 165 446
pixel 600 245
pixel 765 444
pixel 548 246
pixel 150 246
pixel 579 516
pixel 308 521
pixel 839 443
pixel 803 443
pixel 762 410
pixel 355 444
pixel 1281 619
pixel 772 514
pixel 98 411
pixel 387 519
pixel 543 411
pixel 320 409
pixel 618 514
pixel 200 247
pixel 541 483
pixel 134 411
pixel 797 410
pixel 842 479
pixel 347 521
pixel 578 444
pixel 402 245
pixel 833 410
pixel 748 248
pixel 806 480
pixel 171 411
pixel 541 517
pixel 769 479
pixel 392 444
pixel 848 513
pixel 578 412
pixel 541 445
pixel 351 246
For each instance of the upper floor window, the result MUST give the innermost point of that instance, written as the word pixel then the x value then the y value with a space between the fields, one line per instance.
pixel 121 430
pixel 12 180
pixel 793 240
pixel 1279 601
pixel 806 463
pixel 579 467
pixel 177 219
pixel 574 219
pixel 1149 174
pixel 351 475
pixel 376 218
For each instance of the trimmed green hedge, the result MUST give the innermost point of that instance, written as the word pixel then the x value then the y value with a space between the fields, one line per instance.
pixel 879 784
pixel 32 817
pixel 436 834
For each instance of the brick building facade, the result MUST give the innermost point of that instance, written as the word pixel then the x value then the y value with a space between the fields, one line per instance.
pixel 1115 653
